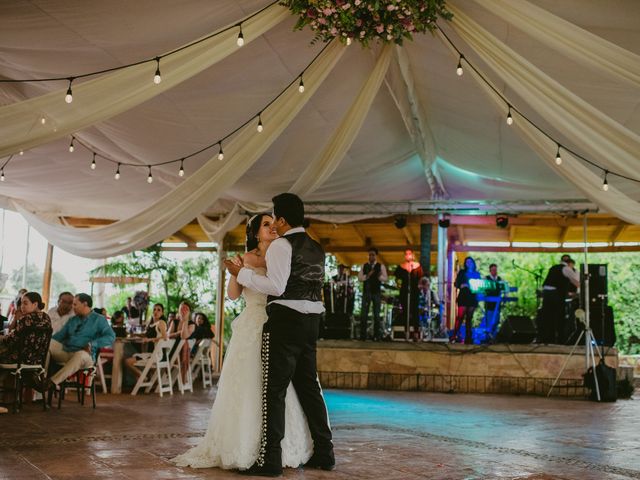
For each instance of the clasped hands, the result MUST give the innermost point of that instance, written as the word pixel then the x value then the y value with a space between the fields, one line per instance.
pixel 234 264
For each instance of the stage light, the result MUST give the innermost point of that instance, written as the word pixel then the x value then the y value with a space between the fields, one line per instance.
pixel 502 221
pixel 444 223
pixel 400 222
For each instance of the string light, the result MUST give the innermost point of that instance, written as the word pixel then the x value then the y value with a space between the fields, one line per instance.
pixel 21 152
pixel 605 184
pixel 43 120
pixel 69 97
pixel 301 85
pixel 220 153
pixel 93 162
pixel 150 177
pixel 558 157
pixel 260 127
pixel 2 175
pixel 117 175
pixel 157 78
pixel 71 147
pixel 509 117
pixel 240 40
pixel 459 70
pixel 181 171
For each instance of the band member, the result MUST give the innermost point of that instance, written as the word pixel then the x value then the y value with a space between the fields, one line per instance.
pixel 428 305
pixel 408 275
pixel 373 274
pixel 343 290
pixel 555 290
pixel 467 300
pixel 492 309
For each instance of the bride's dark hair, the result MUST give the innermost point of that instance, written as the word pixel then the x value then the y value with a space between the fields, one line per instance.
pixel 253 227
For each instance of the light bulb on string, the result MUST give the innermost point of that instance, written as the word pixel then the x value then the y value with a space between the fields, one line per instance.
pixel 558 157
pixel 240 40
pixel 43 120
pixel 21 152
pixel 301 85
pixel 69 97
pixel 605 184
pixel 509 117
pixel 93 162
pixel 459 70
pixel 157 78
pixel 117 175
pixel 260 126
pixel 2 175
pixel 71 147
pixel 181 171
pixel 220 153
pixel 150 177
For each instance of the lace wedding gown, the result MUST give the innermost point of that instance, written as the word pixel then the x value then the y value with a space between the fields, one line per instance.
pixel 233 435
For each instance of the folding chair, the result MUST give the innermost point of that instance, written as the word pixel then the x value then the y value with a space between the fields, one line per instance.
pixel 176 364
pixel 201 363
pixel 33 347
pixel 160 359
pixel 106 356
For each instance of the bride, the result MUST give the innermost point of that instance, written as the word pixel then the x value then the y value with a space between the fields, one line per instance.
pixel 234 431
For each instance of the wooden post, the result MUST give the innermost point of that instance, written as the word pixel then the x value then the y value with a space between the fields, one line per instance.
pixel 220 295
pixel 46 278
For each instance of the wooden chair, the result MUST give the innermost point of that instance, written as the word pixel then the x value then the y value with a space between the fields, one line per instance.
pixel 29 370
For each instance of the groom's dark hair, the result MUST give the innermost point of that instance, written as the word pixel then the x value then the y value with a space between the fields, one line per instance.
pixel 290 207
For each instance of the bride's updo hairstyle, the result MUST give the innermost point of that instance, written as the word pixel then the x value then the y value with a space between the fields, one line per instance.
pixel 253 227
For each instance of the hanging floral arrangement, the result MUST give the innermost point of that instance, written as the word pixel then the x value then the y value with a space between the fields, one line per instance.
pixel 364 21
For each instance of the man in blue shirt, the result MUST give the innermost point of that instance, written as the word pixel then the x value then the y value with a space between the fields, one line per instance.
pixel 77 344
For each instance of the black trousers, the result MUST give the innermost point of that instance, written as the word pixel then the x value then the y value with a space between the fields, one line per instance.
pixel 369 298
pixel 289 355
pixel 553 313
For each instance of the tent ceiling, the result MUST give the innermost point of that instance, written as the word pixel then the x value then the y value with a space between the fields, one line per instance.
pixel 479 157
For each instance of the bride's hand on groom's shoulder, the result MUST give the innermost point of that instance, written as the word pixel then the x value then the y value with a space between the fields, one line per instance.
pixel 233 265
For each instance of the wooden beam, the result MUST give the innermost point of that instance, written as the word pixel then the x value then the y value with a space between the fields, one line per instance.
pixel 466 248
pixel 185 238
pixel 408 235
pixel 46 277
pixel 237 248
pixel 461 237
pixel 366 241
pixel 617 233
pixel 87 222
pixel 564 233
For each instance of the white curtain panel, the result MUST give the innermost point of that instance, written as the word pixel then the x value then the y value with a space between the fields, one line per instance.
pixel 201 189
pixel 572 169
pixel 113 93
pixel 610 144
pixel 568 38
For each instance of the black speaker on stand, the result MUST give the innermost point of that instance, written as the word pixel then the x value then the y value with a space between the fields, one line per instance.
pixel 600 313
pixel 517 329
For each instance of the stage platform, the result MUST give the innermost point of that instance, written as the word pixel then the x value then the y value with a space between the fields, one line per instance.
pixel 443 367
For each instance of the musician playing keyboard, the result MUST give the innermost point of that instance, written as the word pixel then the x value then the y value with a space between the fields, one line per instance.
pixel 492 317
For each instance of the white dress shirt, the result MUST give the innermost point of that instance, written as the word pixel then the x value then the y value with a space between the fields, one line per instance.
pixel 274 283
pixel 57 321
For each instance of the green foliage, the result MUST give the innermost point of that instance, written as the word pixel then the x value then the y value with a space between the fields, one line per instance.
pixel 624 285
pixel 34 281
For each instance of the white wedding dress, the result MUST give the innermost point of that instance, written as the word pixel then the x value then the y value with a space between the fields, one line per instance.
pixel 233 435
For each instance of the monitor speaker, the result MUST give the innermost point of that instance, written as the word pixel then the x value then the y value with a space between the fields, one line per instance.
pixel 517 329
pixel 336 326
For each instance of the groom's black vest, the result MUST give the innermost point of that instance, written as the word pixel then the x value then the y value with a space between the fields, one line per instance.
pixel 307 269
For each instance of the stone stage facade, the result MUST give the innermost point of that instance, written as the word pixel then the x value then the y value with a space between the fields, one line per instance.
pixel 442 367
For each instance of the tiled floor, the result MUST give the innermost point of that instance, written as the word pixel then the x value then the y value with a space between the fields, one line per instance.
pixel 385 435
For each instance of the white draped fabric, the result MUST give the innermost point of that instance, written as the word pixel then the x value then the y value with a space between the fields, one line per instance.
pixel 102 98
pixel 567 38
pixel 610 144
pixel 197 192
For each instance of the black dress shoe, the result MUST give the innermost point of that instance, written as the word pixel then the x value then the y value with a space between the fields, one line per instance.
pixel 323 463
pixel 265 471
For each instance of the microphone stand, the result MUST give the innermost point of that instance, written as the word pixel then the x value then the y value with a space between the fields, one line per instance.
pixel 537 275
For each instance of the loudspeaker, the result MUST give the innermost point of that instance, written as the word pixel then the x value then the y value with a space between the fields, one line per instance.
pixel 603 328
pixel 517 329
pixel 336 326
pixel 598 284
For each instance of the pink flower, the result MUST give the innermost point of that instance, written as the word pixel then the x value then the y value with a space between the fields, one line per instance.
pixel 391 8
pixel 346 6
pixel 380 28
pixel 357 2
pixel 334 31
pixel 322 21
pixel 326 11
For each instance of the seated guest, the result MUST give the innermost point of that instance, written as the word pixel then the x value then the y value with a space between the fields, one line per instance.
pixel 203 329
pixel 117 323
pixel 32 315
pixel 186 328
pixel 156 331
pixel 77 343
pixel 172 325
pixel 61 312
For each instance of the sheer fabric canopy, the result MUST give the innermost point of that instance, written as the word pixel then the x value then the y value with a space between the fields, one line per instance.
pixel 373 125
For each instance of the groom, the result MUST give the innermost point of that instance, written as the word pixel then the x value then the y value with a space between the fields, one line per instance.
pixel 295 275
